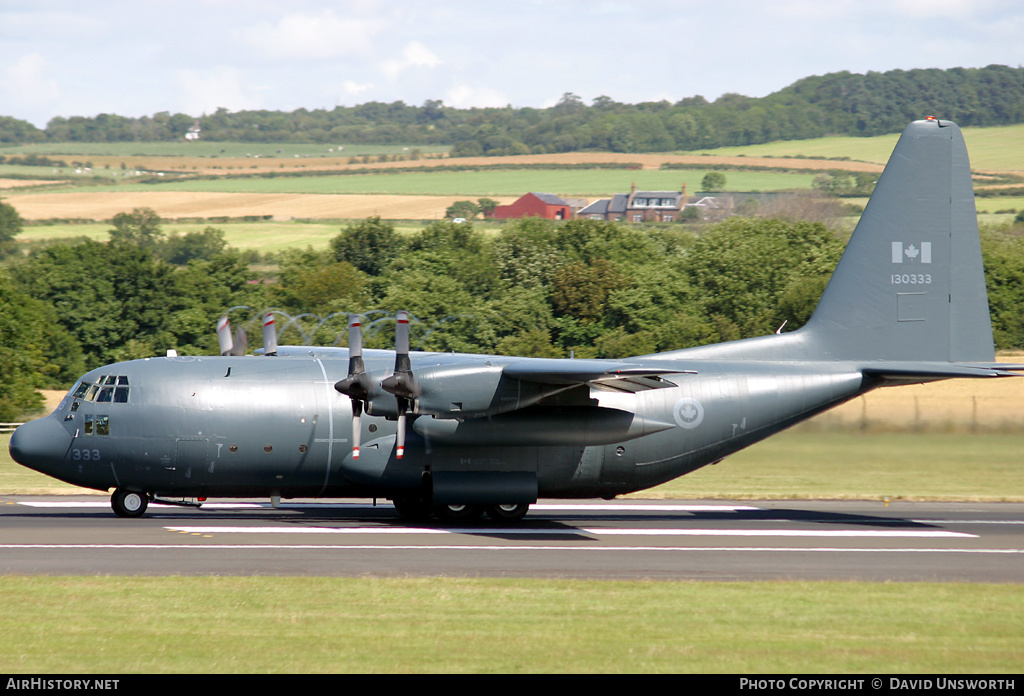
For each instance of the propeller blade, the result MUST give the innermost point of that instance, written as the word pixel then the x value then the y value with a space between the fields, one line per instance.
pixel 241 343
pixel 269 335
pixel 357 385
pixel 402 383
pixel 402 363
pixel 400 437
pixel 355 345
pixel 357 426
pixel 224 335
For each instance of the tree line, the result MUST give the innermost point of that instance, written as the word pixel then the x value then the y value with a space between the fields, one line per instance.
pixel 840 103
pixel 537 288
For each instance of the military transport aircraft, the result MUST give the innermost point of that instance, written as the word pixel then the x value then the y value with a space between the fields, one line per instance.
pixel 461 435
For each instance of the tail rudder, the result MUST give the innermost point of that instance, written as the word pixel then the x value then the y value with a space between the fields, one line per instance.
pixel 911 284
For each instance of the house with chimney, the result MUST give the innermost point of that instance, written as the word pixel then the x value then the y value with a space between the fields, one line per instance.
pixel 637 206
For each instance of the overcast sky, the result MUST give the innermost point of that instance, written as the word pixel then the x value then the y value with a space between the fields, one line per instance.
pixel 140 57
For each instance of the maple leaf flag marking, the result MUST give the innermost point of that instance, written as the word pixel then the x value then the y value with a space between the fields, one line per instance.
pixel 688 413
pixel 911 253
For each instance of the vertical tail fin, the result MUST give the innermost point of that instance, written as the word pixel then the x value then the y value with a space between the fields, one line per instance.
pixel 911 285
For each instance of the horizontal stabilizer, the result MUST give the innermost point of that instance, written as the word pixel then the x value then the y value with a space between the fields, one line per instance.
pixel 929 371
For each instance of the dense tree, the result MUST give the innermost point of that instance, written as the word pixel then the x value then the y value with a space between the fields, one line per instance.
pixel 713 181
pixel 204 290
pixel 104 294
pixel 486 206
pixel 466 210
pixel 180 249
pixel 540 288
pixel 308 283
pixel 35 352
pixel 1003 251
pixel 841 103
pixel 369 245
pixel 581 290
pixel 13 130
pixel 140 228
pixel 741 268
pixel 10 226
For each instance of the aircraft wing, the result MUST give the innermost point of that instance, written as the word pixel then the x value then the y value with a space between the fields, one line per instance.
pixel 570 372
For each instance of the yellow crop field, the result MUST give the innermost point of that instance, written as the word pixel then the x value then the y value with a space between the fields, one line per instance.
pixel 981 405
pixel 281 206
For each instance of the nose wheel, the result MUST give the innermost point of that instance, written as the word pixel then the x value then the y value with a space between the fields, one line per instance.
pixel 129 503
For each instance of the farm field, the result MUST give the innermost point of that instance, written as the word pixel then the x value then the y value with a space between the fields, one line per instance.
pixel 264 236
pixel 177 204
pixel 594 183
pixel 214 150
pixel 997 148
pixel 424 195
pixel 1000 148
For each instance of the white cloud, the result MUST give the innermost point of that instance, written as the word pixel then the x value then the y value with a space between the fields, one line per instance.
pixel 203 92
pixel 946 9
pixel 464 96
pixel 26 82
pixel 312 36
pixel 414 54
pixel 354 88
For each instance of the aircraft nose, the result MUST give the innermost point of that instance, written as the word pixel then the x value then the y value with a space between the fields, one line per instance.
pixel 41 445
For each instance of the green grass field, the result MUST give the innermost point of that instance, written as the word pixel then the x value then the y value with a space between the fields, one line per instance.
pixel 264 237
pixel 460 625
pixel 997 148
pixel 592 183
pixel 204 148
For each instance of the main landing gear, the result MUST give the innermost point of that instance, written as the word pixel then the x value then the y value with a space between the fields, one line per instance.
pixel 413 508
pixel 129 503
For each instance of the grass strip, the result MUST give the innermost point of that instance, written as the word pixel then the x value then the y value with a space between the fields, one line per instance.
pixel 875 466
pixel 293 625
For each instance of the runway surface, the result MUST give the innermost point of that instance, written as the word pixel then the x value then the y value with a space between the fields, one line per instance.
pixel 621 539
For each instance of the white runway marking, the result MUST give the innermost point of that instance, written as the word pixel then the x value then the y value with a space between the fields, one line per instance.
pixel 627 507
pixel 591 531
pixel 455 547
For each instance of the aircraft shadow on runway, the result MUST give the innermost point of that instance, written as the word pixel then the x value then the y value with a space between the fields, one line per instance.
pixel 538 525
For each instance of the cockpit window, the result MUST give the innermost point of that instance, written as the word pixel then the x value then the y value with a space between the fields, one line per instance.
pixel 104 389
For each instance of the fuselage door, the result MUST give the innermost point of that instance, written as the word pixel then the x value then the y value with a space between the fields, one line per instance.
pixel 188 471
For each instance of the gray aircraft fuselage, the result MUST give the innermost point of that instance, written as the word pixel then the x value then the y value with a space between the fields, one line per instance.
pixel 248 426
pixel 906 304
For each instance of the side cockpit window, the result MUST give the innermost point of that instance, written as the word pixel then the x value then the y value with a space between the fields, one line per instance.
pixel 104 389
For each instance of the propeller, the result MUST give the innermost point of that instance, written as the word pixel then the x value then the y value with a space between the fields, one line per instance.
pixel 357 385
pixel 227 345
pixel 269 334
pixel 402 383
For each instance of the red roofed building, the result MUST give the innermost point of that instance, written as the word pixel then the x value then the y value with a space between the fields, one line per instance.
pixel 543 205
